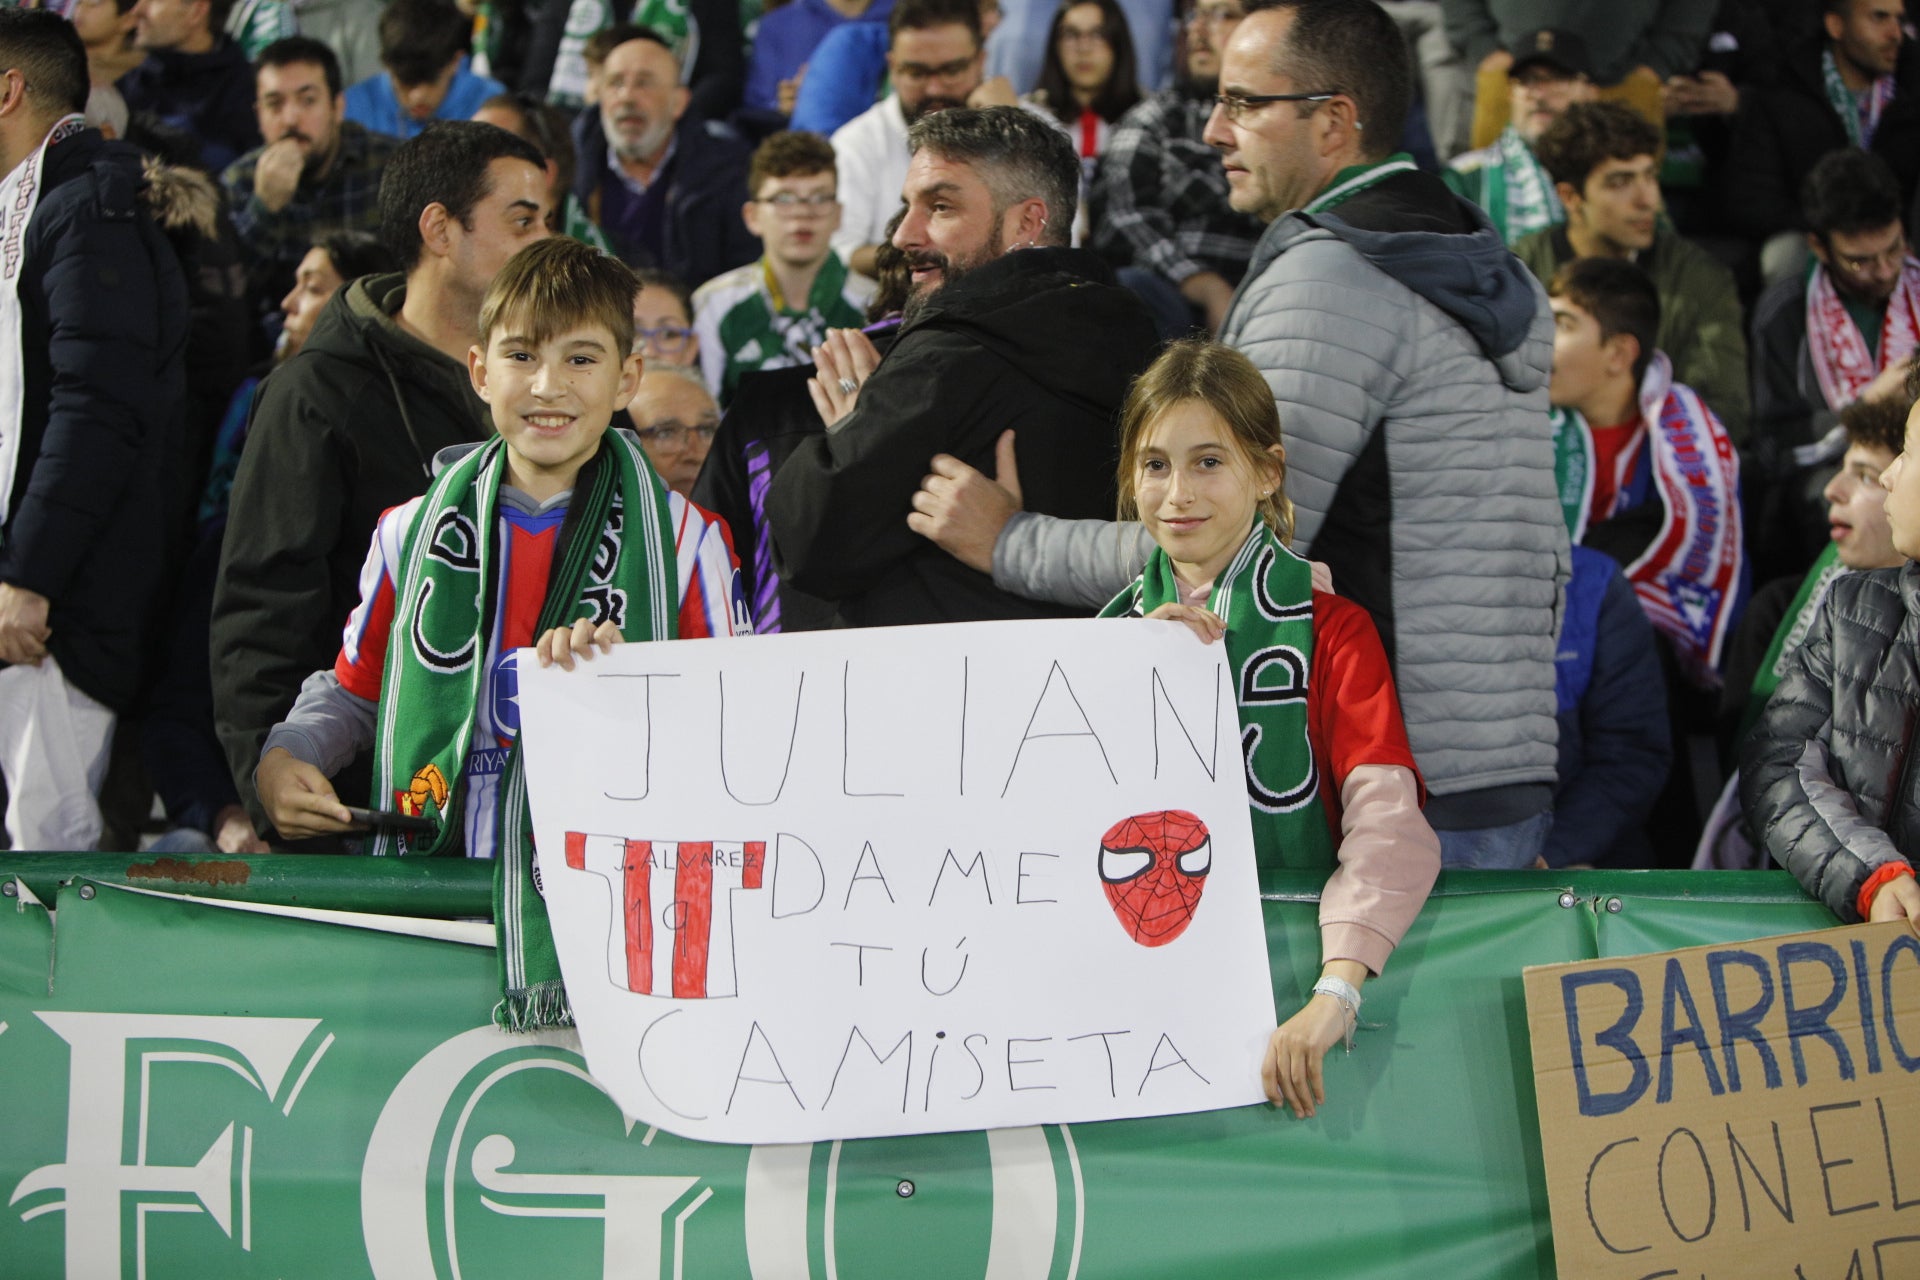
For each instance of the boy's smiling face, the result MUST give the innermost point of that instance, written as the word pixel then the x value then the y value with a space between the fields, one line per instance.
pixel 552 399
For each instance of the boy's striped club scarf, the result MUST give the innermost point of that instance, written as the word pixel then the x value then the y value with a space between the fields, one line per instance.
pixel 606 567
pixel 1265 596
pixel 1691 578
pixel 1520 195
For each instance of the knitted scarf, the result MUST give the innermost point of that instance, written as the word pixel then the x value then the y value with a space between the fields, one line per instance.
pixel 1835 346
pixel 1860 118
pixel 1265 595
pixel 1690 576
pixel 1520 195
pixel 1355 178
pixel 605 568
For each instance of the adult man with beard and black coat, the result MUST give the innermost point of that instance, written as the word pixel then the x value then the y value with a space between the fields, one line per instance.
pixel 1006 328
pixel 93 313
pixel 349 426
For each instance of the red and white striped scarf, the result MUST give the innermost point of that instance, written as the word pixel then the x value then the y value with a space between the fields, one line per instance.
pixel 1841 359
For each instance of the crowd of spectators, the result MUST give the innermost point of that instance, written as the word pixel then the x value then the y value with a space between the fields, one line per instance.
pixel 1591 331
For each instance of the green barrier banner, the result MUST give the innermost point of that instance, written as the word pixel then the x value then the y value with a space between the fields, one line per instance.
pixel 207 1091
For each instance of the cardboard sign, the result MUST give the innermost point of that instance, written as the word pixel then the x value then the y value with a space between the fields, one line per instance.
pixel 1746 1110
pixel 903 881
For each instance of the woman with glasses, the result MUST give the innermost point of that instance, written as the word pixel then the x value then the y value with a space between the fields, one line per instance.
pixel 1088 80
pixel 663 330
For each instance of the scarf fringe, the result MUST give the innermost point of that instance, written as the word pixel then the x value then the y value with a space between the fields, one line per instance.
pixel 540 1007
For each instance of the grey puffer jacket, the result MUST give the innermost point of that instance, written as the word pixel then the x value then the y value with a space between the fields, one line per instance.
pixel 1827 773
pixel 1409 352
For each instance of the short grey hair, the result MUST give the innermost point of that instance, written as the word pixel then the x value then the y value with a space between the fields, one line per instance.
pixel 1019 155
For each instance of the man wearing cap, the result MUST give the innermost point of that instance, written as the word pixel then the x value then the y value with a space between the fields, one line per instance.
pixel 1551 71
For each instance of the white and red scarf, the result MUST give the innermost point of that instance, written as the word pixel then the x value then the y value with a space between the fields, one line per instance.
pixel 1688 579
pixel 19 195
pixel 1841 359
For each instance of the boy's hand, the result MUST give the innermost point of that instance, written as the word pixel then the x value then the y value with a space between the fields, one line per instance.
pixel 298 797
pixel 560 644
pixel 1202 622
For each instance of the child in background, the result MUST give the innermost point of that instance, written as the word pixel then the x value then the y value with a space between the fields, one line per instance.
pixel 1329 775
pixel 566 529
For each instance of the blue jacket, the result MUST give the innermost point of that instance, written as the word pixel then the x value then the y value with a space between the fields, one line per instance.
pixel 843 77
pixel 786 39
pixel 1615 745
pixel 374 105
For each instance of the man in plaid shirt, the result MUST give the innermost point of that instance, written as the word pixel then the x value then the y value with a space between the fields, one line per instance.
pixel 1159 208
pixel 318 172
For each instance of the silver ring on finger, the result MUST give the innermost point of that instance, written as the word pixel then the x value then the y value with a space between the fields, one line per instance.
pixel 848 386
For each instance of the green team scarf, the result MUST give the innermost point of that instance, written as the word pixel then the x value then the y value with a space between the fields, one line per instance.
pixel 1520 195
pixel 436 662
pixel 1355 178
pixel 1265 597
pixel 1791 632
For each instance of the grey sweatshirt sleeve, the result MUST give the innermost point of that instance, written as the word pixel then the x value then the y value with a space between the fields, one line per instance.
pixel 327 726
pixel 1083 563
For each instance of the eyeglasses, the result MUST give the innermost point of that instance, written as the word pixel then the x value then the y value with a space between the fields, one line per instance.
pixel 916 73
pixel 669 434
pixel 670 338
pixel 1889 258
pixel 788 202
pixel 1236 105
pixel 1215 15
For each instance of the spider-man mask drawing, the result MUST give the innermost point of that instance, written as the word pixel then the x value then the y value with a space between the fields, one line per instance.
pixel 1153 867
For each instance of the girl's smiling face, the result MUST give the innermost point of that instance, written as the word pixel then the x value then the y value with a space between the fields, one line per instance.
pixel 1198 489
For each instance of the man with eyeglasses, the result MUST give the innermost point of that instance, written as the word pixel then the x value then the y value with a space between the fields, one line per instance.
pixel 1158 206
pixel 1409 353
pixel 675 417
pixel 935 59
pixel 771 314
pixel 1843 332
pixel 1550 73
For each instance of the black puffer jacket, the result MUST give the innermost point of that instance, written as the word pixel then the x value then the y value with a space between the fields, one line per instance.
pixel 1039 340
pixel 103 314
pixel 1827 774
pixel 341 432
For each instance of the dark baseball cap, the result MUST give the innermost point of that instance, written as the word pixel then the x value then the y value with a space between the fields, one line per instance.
pixel 1551 47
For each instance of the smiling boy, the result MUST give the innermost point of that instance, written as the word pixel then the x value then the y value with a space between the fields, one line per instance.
pixel 566 531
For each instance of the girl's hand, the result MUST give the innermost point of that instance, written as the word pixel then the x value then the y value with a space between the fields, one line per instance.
pixel 560 644
pixel 1291 1070
pixel 1202 622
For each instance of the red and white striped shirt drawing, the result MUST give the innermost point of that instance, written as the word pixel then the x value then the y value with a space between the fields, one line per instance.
pixel 673 935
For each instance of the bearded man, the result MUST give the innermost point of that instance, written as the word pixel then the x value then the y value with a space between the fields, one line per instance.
pixel 318 172
pixel 1006 328
pixel 665 186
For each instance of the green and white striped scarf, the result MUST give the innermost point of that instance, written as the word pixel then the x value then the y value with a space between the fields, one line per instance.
pixel 606 567
pixel 1265 596
pixel 1519 194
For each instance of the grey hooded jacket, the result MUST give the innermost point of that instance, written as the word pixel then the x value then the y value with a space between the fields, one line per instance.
pixel 1408 352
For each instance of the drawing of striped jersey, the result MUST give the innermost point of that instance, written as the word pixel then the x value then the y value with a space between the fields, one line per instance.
pixel 674 932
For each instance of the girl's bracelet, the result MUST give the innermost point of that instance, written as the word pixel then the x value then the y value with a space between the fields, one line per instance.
pixel 1349 997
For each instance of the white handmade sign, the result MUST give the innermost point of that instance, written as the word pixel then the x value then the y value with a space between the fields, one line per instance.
pixel 861 883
